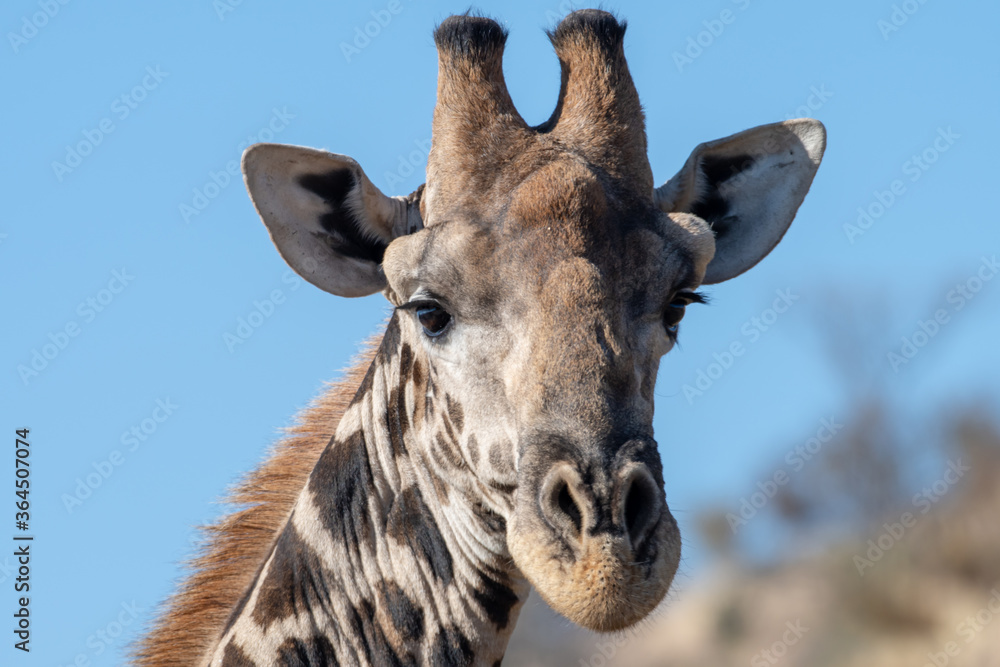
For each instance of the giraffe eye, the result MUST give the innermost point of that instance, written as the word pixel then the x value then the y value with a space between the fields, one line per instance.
pixel 674 312
pixel 433 319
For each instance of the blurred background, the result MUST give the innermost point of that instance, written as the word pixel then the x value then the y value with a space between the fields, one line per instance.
pixel 835 483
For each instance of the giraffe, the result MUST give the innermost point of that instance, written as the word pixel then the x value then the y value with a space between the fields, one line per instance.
pixel 498 436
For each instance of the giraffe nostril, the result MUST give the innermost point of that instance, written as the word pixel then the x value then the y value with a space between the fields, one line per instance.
pixel 560 502
pixel 642 508
pixel 569 507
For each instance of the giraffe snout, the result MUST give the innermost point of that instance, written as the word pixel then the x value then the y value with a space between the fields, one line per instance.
pixel 604 548
pixel 591 528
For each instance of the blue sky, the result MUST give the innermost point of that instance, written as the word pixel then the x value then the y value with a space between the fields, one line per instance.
pixel 121 119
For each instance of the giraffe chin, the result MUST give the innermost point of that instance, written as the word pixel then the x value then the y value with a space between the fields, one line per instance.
pixel 601 587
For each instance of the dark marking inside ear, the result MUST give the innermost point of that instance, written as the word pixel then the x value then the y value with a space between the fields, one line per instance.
pixel 711 207
pixel 346 234
pixel 317 650
pixel 333 186
pixel 718 170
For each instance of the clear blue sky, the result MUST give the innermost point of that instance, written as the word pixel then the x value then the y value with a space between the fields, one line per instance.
pixel 199 82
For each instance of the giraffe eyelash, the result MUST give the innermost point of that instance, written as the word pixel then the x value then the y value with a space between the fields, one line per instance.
pixel 674 312
pixel 693 296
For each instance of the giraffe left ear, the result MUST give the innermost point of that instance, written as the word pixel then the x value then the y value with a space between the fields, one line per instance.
pixel 329 223
pixel 747 187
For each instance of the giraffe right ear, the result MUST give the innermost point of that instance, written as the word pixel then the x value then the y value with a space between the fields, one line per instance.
pixel 329 223
pixel 747 187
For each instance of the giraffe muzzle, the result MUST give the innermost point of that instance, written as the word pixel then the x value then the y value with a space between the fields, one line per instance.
pixel 598 542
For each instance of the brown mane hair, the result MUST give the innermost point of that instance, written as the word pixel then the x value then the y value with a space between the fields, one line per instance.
pixel 234 547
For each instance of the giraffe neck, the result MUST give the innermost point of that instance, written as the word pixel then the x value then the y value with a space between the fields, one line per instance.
pixel 381 562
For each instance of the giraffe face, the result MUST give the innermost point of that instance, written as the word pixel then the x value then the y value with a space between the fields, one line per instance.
pixel 538 278
pixel 544 329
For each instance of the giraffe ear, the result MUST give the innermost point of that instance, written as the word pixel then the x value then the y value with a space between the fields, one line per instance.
pixel 329 223
pixel 748 188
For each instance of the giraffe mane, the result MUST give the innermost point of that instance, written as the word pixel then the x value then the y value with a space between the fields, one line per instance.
pixel 234 547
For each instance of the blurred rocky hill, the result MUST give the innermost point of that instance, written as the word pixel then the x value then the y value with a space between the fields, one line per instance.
pixel 917 588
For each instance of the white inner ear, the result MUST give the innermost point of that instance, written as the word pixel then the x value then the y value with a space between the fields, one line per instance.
pixel 760 200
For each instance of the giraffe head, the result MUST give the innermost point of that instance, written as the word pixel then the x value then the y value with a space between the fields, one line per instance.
pixel 538 278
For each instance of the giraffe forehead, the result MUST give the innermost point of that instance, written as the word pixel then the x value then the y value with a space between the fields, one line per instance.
pixel 561 213
pixel 564 196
